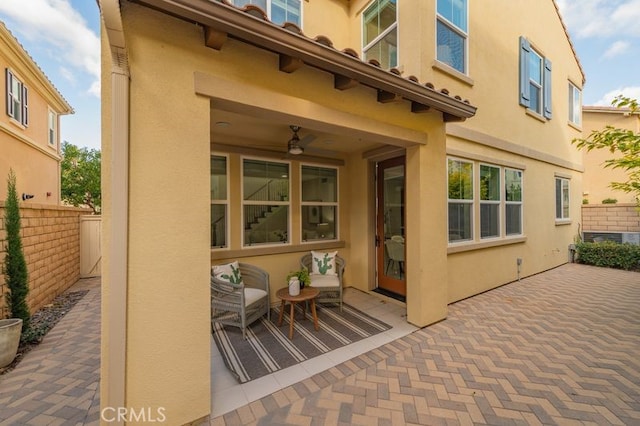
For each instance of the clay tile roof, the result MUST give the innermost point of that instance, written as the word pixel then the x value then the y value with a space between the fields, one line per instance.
pixel 255 11
pixel 374 62
pixel 290 26
pixel 324 40
pixel 349 51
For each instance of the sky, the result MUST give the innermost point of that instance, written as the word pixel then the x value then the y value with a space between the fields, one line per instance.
pixel 62 36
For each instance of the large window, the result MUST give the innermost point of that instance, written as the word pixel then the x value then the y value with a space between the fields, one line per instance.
pixel 17 99
pixel 489 201
pixel 482 193
pixel 279 11
pixel 562 198
pixel 460 189
pixel 513 201
pixel 535 80
pixel 575 105
pixel 219 201
pixel 451 33
pixel 380 33
pixel 319 204
pixel 265 189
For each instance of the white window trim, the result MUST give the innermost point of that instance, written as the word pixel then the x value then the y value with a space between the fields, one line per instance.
pixel 568 182
pixel 477 241
pixel 224 202
pixel 264 203
pixel 457 30
pixel 381 35
pixel 52 114
pixel 494 202
pixel 539 86
pixel 335 204
pixel 520 203
pixel 573 89
pixel 464 201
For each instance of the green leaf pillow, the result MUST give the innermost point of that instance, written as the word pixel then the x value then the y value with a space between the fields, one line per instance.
pixel 229 272
pixel 323 263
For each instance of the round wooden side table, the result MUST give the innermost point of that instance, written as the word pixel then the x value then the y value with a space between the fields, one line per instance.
pixel 306 294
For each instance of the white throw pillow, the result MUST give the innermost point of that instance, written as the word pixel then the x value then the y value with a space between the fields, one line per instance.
pixel 229 272
pixel 323 263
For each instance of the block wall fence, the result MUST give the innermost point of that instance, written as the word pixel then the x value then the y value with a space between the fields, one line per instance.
pixel 610 218
pixel 51 244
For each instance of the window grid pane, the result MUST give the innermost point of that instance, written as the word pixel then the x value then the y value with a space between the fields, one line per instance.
pixel 319 203
pixel 460 180
pixel 218 225
pixel 454 11
pixel 451 47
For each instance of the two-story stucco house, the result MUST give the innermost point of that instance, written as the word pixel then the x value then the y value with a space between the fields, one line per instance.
pixel 29 125
pixel 443 125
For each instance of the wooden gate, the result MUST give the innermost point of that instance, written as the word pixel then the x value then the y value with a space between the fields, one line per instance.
pixel 90 242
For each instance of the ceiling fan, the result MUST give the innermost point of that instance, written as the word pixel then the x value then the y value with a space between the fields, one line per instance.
pixel 296 146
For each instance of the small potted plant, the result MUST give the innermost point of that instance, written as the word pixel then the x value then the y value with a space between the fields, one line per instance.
pixel 302 275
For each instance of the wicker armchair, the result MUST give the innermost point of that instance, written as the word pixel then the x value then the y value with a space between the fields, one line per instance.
pixel 330 286
pixel 239 305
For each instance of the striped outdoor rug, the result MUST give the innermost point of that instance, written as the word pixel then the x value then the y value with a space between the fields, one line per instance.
pixel 268 349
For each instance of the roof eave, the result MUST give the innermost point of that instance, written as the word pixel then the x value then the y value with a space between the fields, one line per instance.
pixel 245 27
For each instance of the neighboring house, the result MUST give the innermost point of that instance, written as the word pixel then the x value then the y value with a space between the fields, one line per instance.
pixel 597 178
pixel 202 165
pixel 29 125
pixel 619 221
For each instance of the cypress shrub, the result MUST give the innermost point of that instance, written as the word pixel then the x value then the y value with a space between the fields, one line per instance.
pixel 15 265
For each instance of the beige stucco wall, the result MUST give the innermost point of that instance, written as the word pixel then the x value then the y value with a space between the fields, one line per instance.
pixel 26 149
pixel 597 177
pixel 167 331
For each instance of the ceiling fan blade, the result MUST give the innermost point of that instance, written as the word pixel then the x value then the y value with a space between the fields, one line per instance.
pixel 306 140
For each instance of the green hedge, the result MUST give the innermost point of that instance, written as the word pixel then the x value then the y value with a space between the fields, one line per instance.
pixel 610 255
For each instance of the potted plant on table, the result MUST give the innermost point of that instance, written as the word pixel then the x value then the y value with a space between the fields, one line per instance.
pixel 302 276
pixel 16 279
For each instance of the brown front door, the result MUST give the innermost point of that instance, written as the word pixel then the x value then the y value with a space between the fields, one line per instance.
pixel 390 228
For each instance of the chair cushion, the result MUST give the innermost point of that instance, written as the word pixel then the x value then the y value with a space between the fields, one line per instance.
pixel 252 295
pixel 323 263
pixel 319 280
pixel 229 272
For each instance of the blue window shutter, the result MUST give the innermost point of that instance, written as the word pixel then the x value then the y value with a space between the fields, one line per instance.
pixel 525 50
pixel 547 89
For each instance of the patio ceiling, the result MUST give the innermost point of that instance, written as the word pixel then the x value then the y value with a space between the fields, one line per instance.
pixel 230 128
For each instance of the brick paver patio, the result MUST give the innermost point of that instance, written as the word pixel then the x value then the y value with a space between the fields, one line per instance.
pixel 561 347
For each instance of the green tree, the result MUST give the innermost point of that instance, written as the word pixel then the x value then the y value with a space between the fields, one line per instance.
pixel 622 141
pixel 15 265
pixel 81 176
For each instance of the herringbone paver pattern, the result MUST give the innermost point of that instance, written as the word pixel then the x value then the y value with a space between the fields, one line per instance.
pixel 57 382
pixel 558 348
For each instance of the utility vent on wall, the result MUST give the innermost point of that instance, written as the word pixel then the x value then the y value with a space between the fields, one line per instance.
pixel 618 237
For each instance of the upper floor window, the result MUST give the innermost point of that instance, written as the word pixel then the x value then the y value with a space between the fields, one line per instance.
pixel 319 203
pixel 380 33
pixel 535 80
pixel 279 11
pixel 451 33
pixel 575 105
pixel 53 128
pixel 562 198
pixel 17 99
pixel 265 195
pixel 219 201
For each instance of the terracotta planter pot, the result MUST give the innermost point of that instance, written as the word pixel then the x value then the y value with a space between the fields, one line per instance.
pixel 10 330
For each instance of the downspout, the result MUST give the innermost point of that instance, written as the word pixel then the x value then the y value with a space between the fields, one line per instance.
pixel 116 296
